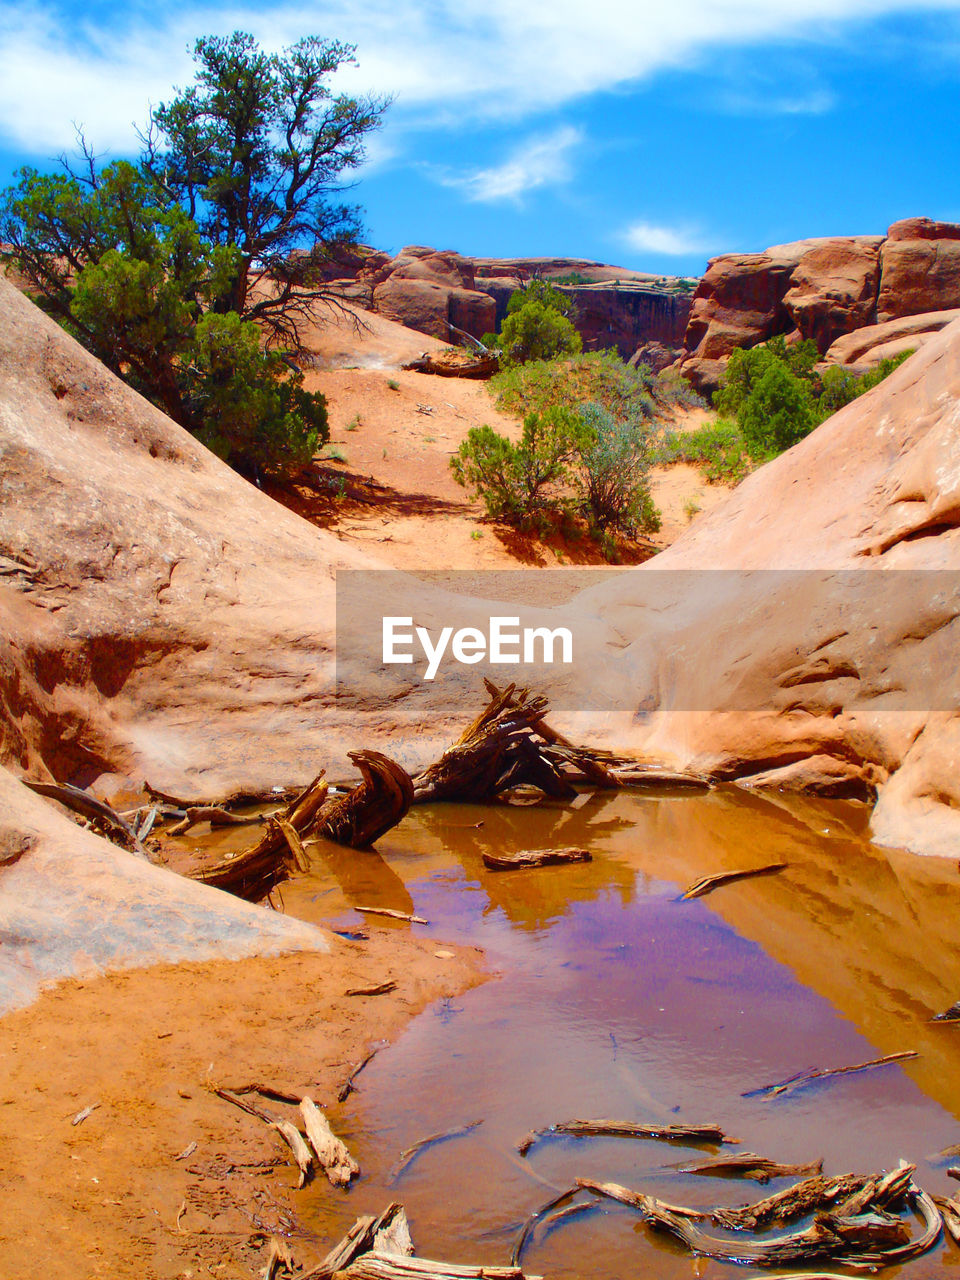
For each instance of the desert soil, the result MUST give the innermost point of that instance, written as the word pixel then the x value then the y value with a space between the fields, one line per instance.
pixel 384 482
pixel 109 1197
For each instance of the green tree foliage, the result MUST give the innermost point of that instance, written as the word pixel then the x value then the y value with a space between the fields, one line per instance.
pixel 777 395
pixel 779 411
pixel 537 290
pixel 190 271
pixel 535 331
pixel 518 482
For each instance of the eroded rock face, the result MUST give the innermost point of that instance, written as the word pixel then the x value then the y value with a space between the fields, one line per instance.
pixel 823 290
pixel 73 905
pixel 160 618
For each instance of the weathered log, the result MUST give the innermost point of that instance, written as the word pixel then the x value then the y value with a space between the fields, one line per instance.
pixel 685 1133
pixel 359 818
pixel 707 884
pixel 535 858
pixel 89 806
pixel 797 1201
pixel 383 1266
pixel 301 1152
pixel 279 1258
pixel 216 815
pixel 389 1229
pixel 407 1157
pixel 746 1164
pixel 950 1211
pixel 253 872
pixel 334 1158
pixel 803 1078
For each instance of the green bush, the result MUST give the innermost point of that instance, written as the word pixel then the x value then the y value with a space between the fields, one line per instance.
pixel 519 482
pixel 591 377
pixel 543 292
pixel 717 448
pixel 779 411
pixel 614 465
pixel 535 331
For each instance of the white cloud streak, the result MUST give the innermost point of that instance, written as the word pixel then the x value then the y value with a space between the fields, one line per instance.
pixel 443 59
pixel 672 242
pixel 537 162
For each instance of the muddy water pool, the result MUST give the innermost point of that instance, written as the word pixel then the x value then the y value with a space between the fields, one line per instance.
pixel 610 998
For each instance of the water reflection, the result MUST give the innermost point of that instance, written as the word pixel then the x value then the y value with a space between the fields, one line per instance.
pixel 614 999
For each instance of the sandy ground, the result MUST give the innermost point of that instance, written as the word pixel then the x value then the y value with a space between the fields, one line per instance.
pixel 109 1197
pixel 384 481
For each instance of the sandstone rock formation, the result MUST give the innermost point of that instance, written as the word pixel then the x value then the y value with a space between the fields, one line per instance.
pixel 822 289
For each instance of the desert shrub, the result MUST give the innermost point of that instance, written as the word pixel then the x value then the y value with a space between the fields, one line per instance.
pixel 591 377
pixel 544 292
pixel 519 482
pixel 779 411
pixel 613 471
pixel 717 448
pixel 536 331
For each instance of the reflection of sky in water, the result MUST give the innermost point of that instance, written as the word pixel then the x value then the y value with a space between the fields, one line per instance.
pixel 613 999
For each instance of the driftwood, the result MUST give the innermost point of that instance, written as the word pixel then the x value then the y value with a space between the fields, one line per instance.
pixel 367 812
pixel 253 872
pixel 391 914
pixel 380 990
pixel 535 858
pixel 215 814
pixel 540 1215
pixel 950 1212
pixel 348 1085
pixel 381 1249
pixel 510 744
pixel 949 1015
pixel 334 1158
pixel 265 1091
pixel 301 1152
pixel 795 1202
pixel 456 364
pixel 385 1266
pixel 652 777
pixel 625 1129
pixel 746 1164
pixel 867 1239
pixel 389 1232
pixel 803 1078
pixel 407 1157
pixel 84 1114
pixel 279 1258
pixel 100 813
pixel 708 883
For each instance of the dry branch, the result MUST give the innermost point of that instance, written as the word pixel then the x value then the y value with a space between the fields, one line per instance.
pixel 372 808
pixel 381 989
pixel 301 1152
pixel 949 1015
pixel 803 1078
pixel 407 1157
pixel 391 914
pixel 348 1085
pixel 334 1158
pixel 707 884
pixel 625 1129
pixel 795 1202
pixel 381 1266
pixel 746 1164
pixel 535 858
pixel 82 802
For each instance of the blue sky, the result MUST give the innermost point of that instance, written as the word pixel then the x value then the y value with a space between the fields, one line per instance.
pixel 648 134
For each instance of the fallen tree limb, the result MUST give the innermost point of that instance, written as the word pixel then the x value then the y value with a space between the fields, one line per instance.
pixel 381 1266
pixel 803 1078
pixel 391 914
pixel 381 989
pixel 949 1015
pixel 334 1158
pixel 371 809
pixel 348 1085
pixel 89 806
pixel 625 1129
pixel 746 1164
pixel 407 1157
pixel 301 1152
pixel 216 815
pixel 537 1216
pixel 950 1211
pixel 707 884
pixel 535 858
pixel 265 1091
pixel 797 1201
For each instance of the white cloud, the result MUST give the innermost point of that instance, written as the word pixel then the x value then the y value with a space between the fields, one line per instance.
pixel 673 242
pixel 444 59
pixel 537 162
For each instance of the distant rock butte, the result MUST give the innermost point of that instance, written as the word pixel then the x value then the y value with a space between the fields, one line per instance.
pixel 438 292
pixel 823 289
